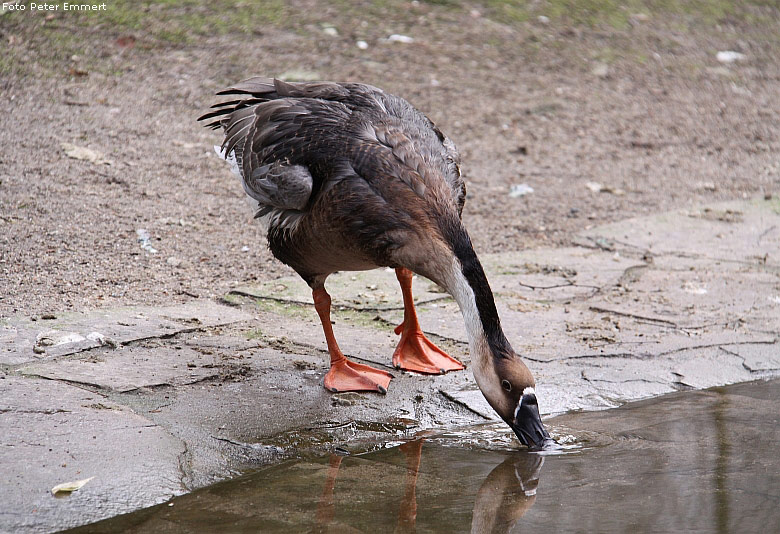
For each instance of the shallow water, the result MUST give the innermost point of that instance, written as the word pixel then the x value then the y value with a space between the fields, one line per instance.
pixel 702 461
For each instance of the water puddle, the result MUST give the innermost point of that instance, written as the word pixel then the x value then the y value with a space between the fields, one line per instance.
pixel 696 461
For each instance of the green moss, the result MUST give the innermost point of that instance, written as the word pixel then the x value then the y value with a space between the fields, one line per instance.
pixel 283 308
pixel 254 334
pixel 171 21
pixel 617 13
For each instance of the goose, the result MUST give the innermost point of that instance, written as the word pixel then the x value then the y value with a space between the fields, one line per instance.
pixel 347 177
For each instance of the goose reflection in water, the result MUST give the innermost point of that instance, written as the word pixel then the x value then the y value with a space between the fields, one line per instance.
pixel 504 496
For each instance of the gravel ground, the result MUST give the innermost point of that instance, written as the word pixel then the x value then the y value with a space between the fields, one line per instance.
pixel 640 105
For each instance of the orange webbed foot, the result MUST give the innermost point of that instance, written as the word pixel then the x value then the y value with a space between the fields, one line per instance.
pixel 345 375
pixel 415 352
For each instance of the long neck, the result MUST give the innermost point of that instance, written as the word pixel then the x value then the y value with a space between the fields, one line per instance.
pixel 468 284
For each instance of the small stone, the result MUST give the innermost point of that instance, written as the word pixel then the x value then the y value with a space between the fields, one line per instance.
pixel 37 349
pixel 729 56
pixel 707 186
pixel 542 19
pixel 594 186
pixel 519 190
pixel 173 261
pixel 362 45
pixel 601 70
pixel 48 317
pixel 397 38
pixel 330 30
pixel 337 400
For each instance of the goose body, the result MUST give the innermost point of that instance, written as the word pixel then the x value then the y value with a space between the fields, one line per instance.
pixel 346 177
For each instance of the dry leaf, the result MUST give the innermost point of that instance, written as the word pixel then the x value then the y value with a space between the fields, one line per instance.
pixel 125 41
pixel 77 72
pixel 67 487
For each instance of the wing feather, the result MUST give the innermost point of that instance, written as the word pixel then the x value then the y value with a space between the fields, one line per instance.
pixel 289 139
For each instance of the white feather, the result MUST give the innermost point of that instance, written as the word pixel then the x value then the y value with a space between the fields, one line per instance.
pixel 230 158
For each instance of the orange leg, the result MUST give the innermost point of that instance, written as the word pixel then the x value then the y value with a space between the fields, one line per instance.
pixel 416 352
pixel 345 375
pixel 326 509
pixel 407 514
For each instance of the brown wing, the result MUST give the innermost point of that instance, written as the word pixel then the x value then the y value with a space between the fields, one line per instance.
pixel 271 124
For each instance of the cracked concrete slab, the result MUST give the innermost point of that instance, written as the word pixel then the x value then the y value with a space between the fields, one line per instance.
pixel 644 307
pixel 130 368
pixel 756 358
pixel 26 339
pixel 53 433
pixel 738 231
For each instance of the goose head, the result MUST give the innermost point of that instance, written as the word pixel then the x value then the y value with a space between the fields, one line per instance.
pixel 509 387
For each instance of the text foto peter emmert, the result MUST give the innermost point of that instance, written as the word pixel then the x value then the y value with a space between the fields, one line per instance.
pixel 64 6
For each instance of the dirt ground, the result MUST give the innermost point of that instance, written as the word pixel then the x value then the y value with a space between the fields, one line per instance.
pixel 629 96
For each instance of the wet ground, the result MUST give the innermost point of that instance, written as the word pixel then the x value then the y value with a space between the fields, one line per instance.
pixel 702 461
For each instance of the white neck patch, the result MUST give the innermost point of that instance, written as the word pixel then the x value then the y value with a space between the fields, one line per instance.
pixel 529 391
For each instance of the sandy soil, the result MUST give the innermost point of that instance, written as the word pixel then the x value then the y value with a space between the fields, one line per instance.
pixel 645 109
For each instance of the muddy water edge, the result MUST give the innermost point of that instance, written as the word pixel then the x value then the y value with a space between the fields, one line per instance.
pixel 694 461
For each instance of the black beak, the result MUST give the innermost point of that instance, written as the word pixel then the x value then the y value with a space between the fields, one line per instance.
pixel 528 425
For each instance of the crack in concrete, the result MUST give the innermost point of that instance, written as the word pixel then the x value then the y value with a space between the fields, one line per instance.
pixel 311 350
pixel 12 369
pixel 335 305
pixel 673 254
pixel 599 309
pixel 557 286
pixel 627 355
pixel 463 404
pixel 184 461
pixel 95 388
pixel 41 412
pixel 86 386
pixel 648 355
pixel 764 234
pixel 644 380
pixel 743 360
pixel 715 345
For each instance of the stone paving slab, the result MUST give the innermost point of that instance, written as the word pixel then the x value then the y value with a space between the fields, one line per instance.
pixel 24 339
pixel 130 368
pixel 737 231
pixel 54 433
pixel 644 307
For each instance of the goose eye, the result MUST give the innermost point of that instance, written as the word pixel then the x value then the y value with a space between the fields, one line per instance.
pixel 506 385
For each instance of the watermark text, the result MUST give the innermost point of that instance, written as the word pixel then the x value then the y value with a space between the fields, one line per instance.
pixel 54 6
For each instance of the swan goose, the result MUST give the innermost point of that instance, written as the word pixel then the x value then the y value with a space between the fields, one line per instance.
pixel 346 177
